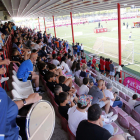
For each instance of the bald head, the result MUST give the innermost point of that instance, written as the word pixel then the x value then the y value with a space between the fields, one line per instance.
pixel 117 137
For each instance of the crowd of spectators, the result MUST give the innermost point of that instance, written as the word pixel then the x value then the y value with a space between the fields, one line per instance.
pixel 53 59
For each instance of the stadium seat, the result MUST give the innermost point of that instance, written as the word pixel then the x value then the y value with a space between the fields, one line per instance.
pixel 135 115
pixel 114 84
pixel 127 97
pixel 21 84
pixel 127 108
pixel 134 131
pixel 130 93
pixel 114 89
pixel 122 95
pixel 15 68
pixel 70 134
pixel 125 90
pixel 16 95
pixel 64 123
pixel 22 91
pixel 125 121
pixel 119 87
pixel 14 72
pixel 120 131
pixel 117 110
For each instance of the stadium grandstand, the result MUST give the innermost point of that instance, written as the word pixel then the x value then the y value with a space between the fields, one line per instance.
pixel 67 72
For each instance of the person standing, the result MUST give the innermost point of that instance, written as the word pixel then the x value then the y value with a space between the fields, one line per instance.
pixel 111 66
pixel 82 50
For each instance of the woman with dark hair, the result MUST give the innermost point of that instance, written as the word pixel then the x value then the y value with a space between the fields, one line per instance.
pixel 77 70
pixel 73 68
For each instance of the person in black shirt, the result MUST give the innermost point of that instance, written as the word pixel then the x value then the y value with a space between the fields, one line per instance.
pixel 51 80
pixel 43 69
pixel 63 108
pixel 57 90
pixel 92 129
pixel 66 84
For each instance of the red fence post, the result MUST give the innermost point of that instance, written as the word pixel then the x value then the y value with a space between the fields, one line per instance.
pixel 39 24
pixel 54 27
pixel 45 25
pixel 119 38
pixel 72 27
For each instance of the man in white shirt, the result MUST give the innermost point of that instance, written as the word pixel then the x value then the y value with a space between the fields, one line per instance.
pixel 118 70
pixel 55 61
pixel 37 46
pixel 109 95
pixel 132 101
pixel 83 90
pixel 79 112
pixel 69 60
pixel 82 50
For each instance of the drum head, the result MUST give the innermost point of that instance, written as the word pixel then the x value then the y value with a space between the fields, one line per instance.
pixel 40 121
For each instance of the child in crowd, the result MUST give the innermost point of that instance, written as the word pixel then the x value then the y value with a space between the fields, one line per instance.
pixel 43 69
pixel 83 90
pixel 83 60
pixel 54 51
pixel 51 80
pixel 132 101
pixel 93 62
pixel 89 63
pixel 66 84
pixel 57 90
pixel 65 103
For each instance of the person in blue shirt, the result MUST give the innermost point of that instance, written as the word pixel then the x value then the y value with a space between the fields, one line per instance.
pixel 78 49
pixel 14 27
pixel 67 45
pixel 60 43
pixel 9 111
pixel 25 71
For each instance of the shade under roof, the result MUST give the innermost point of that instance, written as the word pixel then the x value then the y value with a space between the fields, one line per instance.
pixel 47 8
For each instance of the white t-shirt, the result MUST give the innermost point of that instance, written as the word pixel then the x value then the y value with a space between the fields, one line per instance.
pixel 55 62
pixel 36 47
pixel 82 47
pixel 64 67
pixel 83 90
pixel 110 95
pixel 68 62
pixel 77 73
pixel 131 103
pixel 119 68
pixel 49 39
pixel 74 118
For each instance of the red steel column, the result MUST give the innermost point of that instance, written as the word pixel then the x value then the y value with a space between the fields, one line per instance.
pixel 45 25
pixel 119 37
pixel 39 24
pixel 54 27
pixel 72 26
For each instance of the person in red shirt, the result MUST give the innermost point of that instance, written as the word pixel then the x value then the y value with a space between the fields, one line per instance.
pixel 83 60
pixel 107 68
pixel 100 63
pixel 93 62
pixel 54 51
pixel 102 66
pixel 59 57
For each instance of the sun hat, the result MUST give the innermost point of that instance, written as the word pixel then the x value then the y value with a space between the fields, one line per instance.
pixel 84 99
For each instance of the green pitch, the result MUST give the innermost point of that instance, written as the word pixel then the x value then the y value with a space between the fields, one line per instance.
pixel 85 34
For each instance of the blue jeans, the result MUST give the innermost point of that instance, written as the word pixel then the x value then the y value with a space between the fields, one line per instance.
pixel 118 103
pixel 70 73
pixel 50 44
pixel 108 127
pixel 90 77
